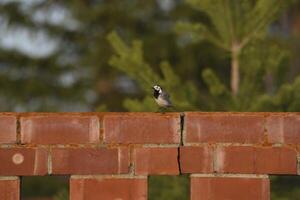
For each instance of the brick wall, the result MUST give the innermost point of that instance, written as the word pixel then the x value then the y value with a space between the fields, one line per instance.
pixel 111 155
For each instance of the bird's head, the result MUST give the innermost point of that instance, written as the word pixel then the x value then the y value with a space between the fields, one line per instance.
pixel 157 88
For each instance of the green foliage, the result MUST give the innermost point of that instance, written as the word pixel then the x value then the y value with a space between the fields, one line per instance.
pixel 40 186
pixel 232 22
pixel 285 188
pixel 30 82
pixel 216 88
pixel 241 29
pixel 63 194
pixel 130 60
pixel 169 188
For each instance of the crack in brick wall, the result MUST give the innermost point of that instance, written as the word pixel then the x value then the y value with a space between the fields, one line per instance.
pixel 221 151
pixel 181 141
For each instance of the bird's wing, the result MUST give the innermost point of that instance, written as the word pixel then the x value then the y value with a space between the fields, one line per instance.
pixel 166 96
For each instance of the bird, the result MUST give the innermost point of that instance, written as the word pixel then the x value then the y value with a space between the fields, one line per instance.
pixel 161 97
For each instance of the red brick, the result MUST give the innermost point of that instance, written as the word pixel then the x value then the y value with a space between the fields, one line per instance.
pixel 108 188
pixel 90 160
pixel 267 160
pixel 196 159
pixel 23 161
pixel 283 128
pixel 224 127
pixel 10 188
pixel 8 129
pixel 156 161
pixel 223 188
pixel 142 128
pixel 59 129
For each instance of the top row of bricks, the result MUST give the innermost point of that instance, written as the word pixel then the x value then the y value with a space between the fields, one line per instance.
pixel 149 128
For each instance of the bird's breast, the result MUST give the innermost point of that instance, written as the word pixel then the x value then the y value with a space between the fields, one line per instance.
pixel 161 102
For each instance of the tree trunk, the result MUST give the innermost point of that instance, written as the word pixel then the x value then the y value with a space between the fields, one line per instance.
pixel 235 71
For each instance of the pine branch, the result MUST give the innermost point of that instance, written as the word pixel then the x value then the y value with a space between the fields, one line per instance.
pixel 129 60
pixel 199 32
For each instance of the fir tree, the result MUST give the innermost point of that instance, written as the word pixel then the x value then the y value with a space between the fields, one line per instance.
pixel 241 29
pixel 232 26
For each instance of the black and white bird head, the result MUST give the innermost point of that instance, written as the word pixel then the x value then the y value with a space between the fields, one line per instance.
pixel 161 97
pixel 157 90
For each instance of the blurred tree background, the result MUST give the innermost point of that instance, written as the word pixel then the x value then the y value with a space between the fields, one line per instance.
pixel 96 55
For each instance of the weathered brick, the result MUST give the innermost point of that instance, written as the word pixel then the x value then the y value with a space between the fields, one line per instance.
pixel 23 161
pixel 207 188
pixel 90 160
pixel 156 161
pixel 283 128
pixel 59 129
pixel 9 188
pixel 141 128
pixel 224 127
pixel 196 159
pixel 257 160
pixel 108 188
pixel 8 129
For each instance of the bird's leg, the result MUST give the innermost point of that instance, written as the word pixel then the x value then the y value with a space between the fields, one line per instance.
pixel 160 110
